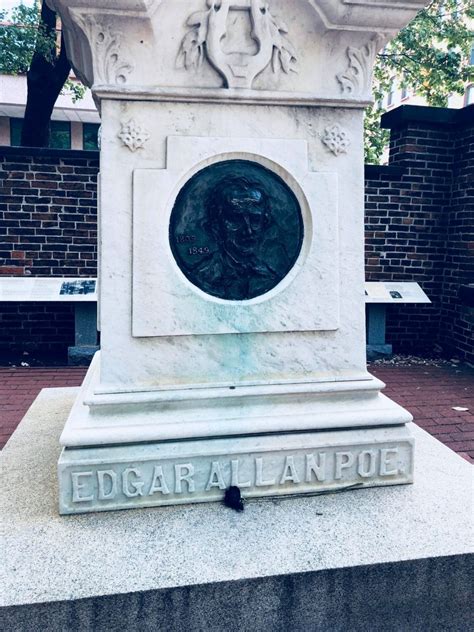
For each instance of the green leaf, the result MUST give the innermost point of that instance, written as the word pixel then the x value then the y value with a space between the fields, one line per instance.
pixel 430 57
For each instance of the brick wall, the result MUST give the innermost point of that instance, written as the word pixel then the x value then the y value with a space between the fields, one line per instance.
pixel 31 327
pixel 48 227
pixel 420 220
pixel 48 212
pixel 457 318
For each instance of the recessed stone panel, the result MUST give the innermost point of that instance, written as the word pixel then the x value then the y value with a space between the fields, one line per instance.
pixel 176 292
pixel 158 474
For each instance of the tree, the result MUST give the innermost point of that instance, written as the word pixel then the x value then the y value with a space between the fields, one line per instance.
pixel 29 44
pixel 19 36
pixel 430 56
pixel 46 77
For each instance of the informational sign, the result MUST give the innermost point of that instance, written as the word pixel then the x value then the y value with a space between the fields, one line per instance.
pixel 394 292
pixel 376 293
pixel 57 289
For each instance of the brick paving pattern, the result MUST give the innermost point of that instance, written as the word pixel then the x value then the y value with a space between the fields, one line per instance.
pixel 429 393
pixel 19 387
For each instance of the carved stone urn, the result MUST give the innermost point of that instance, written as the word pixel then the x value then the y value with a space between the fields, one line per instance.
pixel 232 310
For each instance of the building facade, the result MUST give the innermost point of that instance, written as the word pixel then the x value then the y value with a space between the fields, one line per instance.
pixel 74 125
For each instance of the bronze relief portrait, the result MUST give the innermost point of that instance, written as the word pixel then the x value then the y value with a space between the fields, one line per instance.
pixel 236 230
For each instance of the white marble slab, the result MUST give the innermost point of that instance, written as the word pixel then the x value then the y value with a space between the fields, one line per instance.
pixel 183 85
pixel 165 303
pixel 101 417
pixel 167 473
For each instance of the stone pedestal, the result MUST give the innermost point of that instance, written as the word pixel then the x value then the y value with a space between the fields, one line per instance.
pixel 231 250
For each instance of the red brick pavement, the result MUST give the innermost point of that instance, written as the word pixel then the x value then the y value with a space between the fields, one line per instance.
pixel 20 386
pixel 429 393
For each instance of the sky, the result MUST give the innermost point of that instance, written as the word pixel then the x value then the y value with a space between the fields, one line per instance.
pixel 9 4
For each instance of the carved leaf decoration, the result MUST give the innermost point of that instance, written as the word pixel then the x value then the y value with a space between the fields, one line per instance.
pixel 357 62
pixel 280 25
pixel 198 18
pixel 275 60
pixel 284 53
pixel 358 75
pixel 285 60
pixel 191 52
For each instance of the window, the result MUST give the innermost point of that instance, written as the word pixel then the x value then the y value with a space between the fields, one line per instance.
pixel 390 95
pixel 469 97
pixel 405 93
pixel 471 56
pixel 90 133
pixel 16 125
pixel 60 136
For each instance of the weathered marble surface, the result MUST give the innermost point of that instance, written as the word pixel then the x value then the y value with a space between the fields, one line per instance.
pixel 165 303
pixel 182 85
pixel 100 417
pixel 158 474
pixel 111 44
pixel 319 310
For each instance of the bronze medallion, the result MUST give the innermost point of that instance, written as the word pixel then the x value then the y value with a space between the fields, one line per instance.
pixel 236 230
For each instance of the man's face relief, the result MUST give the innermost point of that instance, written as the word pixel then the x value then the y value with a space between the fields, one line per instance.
pixel 242 221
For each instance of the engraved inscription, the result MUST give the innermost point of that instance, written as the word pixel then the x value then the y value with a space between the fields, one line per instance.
pixel 309 470
pixel 236 230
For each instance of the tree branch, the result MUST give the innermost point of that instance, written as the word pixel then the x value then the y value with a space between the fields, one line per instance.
pixel 45 78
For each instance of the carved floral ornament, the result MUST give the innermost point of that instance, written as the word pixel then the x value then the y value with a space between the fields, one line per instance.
pixel 133 136
pixel 209 29
pixel 357 78
pixel 336 139
pixel 106 45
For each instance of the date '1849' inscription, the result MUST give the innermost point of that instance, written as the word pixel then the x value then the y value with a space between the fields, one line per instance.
pixel 236 230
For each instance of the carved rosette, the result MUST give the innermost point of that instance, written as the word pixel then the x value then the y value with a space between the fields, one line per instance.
pixel 133 136
pixel 210 27
pixel 336 139
pixel 357 78
pixel 106 48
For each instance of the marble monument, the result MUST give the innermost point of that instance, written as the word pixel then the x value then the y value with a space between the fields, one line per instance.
pixel 231 298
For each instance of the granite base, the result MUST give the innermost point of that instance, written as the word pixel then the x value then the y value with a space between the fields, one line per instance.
pixel 391 558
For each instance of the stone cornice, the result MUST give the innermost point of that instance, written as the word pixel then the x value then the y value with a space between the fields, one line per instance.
pixel 217 95
pixel 277 55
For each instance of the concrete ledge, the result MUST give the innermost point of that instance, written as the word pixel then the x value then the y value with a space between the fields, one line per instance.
pixel 392 558
pixel 430 116
pixel 48 152
pixel 430 594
